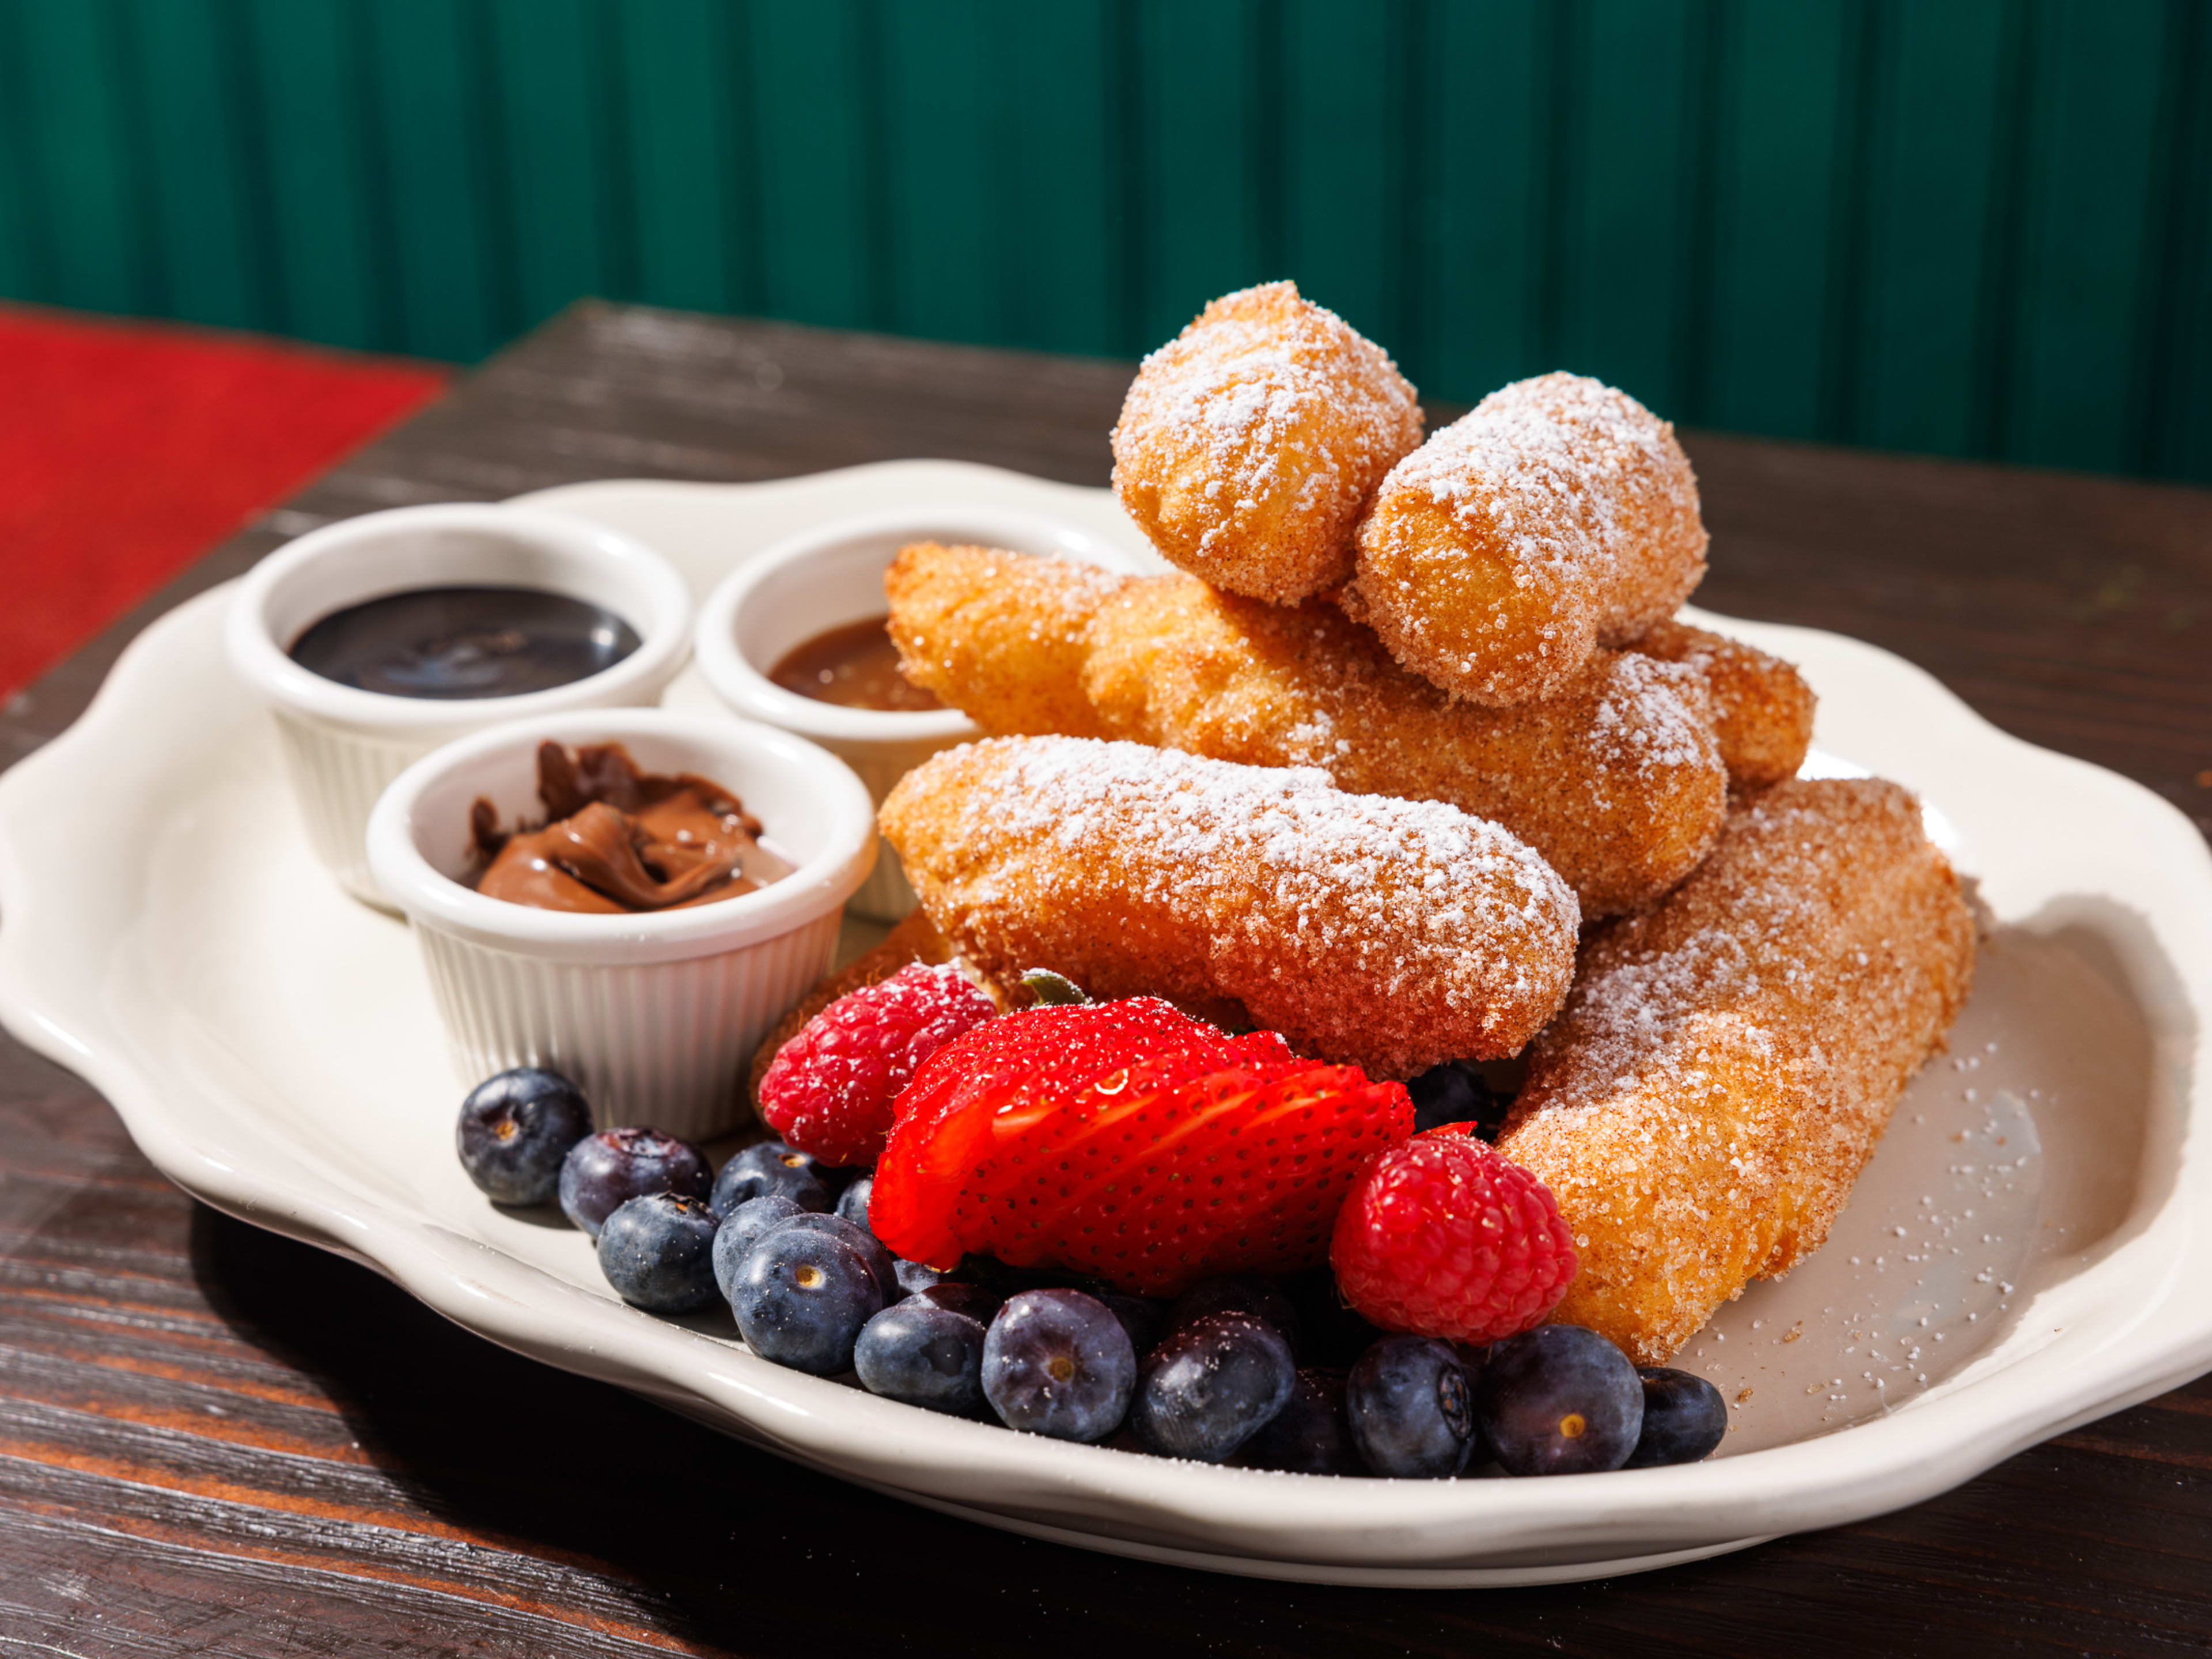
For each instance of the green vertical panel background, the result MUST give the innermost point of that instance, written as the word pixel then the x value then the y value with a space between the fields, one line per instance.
pixel 550 56
pixel 318 178
pixel 944 168
pixel 2181 416
pixel 1629 195
pixel 1483 172
pixel 1208 182
pixel 1056 140
pixel 677 65
pixel 1780 110
pixel 23 267
pixel 79 153
pixel 199 218
pixel 2085 230
pixel 1346 169
pixel 815 141
pixel 426 77
pixel 1934 160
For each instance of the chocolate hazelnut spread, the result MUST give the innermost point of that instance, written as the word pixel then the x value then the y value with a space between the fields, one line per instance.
pixel 855 666
pixel 450 643
pixel 618 839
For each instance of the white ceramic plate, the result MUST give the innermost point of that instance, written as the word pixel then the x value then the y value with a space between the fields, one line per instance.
pixel 2018 1258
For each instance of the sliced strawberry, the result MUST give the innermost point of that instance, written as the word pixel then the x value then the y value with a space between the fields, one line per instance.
pixel 1127 1140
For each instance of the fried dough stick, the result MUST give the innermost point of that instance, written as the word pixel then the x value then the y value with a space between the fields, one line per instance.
pixel 1617 781
pixel 1251 442
pixel 1388 935
pixel 1762 708
pixel 1728 1060
pixel 1556 516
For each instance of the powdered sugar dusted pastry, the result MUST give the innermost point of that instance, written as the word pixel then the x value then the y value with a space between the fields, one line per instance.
pixel 1250 443
pixel 1556 516
pixel 1728 1060
pixel 1616 780
pixel 1762 708
pixel 1389 935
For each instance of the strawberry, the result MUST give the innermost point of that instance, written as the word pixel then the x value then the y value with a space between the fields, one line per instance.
pixel 1130 1141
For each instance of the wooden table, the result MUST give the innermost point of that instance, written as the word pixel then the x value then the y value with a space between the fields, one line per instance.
pixel 214 1440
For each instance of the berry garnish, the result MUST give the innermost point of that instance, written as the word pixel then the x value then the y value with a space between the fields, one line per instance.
pixel 872 1251
pixel 658 1253
pixel 743 1228
pixel 602 1172
pixel 1210 1386
pixel 800 1299
pixel 1311 1435
pixel 1258 1298
pixel 770 1167
pixel 924 1354
pixel 1684 1419
pixel 1127 1140
pixel 852 1202
pixel 1561 1399
pixel 1058 1362
pixel 514 1130
pixel 1445 1237
pixel 1411 1408
pixel 829 1090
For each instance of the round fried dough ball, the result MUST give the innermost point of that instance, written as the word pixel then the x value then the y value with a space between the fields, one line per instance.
pixel 1556 516
pixel 1250 443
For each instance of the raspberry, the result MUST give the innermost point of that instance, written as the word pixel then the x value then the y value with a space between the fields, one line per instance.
pixel 1443 1237
pixel 830 1089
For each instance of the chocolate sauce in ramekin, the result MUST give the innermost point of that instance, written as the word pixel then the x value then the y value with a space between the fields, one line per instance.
pixel 454 643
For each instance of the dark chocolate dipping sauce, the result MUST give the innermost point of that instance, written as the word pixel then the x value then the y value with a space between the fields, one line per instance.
pixel 450 643
pixel 616 838
pixel 855 667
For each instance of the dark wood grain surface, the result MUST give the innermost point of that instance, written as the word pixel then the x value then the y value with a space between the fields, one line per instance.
pixel 215 1441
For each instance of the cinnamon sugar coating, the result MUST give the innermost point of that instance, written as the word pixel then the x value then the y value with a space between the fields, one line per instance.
pixel 1728 1060
pixel 1388 935
pixel 1762 708
pixel 1616 781
pixel 1250 443
pixel 1556 516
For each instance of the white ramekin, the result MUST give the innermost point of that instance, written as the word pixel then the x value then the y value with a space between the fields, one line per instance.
pixel 824 579
pixel 653 1015
pixel 342 745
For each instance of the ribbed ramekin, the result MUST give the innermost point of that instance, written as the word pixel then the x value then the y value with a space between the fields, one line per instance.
pixel 655 1015
pixel 344 745
pixel 833 575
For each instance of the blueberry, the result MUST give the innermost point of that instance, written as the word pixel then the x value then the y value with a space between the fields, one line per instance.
pixel 1684 1419
pixel 743 1228
pixel 925 1355
pixel 1311 1435
pixel 1262 1299
pixel 801 1298
pixel 852 1202
pixel 1142 1316
pixel 1453 1093
pixel 1210 1386
pixel 658 1251
pixel 1058 1362
pixel 1561 1399
pixel 871 1252
pixel 913 1276
pixel 1411 1410
pixel 770 1167
pixel 973 1300
pixel 604 1170
pixel 515 1129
